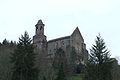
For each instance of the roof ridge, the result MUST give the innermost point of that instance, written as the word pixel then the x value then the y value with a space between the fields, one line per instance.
pixel 59 38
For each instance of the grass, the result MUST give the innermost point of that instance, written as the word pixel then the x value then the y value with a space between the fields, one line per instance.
pixel 75 77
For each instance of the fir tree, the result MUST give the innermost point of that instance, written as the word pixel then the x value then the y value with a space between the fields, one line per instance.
pixel 5 42
pixel 23 60
pixel 99 64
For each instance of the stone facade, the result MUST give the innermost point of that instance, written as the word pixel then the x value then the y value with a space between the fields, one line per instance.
pixel 74 40
pixel 39 40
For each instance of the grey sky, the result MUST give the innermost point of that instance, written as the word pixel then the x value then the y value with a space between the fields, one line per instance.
pixel 61 17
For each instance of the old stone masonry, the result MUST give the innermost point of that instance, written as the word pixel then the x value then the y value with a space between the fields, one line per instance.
pixel 74 40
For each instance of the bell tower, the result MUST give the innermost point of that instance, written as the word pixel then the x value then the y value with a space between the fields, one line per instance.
pixel 39 28
pixel 39 40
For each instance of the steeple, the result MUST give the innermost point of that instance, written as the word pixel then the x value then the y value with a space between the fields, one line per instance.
pixel 39 39
pixel 39 28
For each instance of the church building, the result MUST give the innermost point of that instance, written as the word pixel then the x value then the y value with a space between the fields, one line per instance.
pixel 74 40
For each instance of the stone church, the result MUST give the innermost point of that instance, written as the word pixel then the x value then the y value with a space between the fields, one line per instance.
pixel 74 40
pixel 48 48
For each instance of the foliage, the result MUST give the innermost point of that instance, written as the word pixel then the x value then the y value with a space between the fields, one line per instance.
pixel 75 62
pixel 73 59
pixel 75 77
pixel 61 74
pixel 5 66
pixel 59 58
pixel 59 64
pixel 5 42
pixel 99 63
pixel 23 60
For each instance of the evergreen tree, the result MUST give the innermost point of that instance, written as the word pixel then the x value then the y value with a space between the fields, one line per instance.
pixel 5 42
pixel 99 64
pixel 23 60
pixel 11 43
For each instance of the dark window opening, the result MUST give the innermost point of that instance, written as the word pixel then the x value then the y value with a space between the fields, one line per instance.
pixel 36 27
pixel 41 28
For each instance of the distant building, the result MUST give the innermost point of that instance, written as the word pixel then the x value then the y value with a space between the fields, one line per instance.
pixel 74 40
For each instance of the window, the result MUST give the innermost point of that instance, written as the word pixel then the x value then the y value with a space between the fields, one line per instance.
pixel 36 27
pixel 41 28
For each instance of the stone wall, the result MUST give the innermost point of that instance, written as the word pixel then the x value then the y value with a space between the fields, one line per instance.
pixel 58 43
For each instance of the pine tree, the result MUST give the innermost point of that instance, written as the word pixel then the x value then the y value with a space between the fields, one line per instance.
pixel 99 64
pixel 5 42
pixel 23 60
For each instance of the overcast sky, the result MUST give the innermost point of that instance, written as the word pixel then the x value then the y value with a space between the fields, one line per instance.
pixel 61 17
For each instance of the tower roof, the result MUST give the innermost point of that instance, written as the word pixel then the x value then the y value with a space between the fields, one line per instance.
pixel 39 23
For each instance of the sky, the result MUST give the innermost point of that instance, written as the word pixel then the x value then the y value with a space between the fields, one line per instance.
pixel 61 17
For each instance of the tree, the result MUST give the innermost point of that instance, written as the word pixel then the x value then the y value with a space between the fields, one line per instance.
pixel 11 43
pixel 99 64
pixel 59 58
pixel 5 42
pixel 5 65
pixel 23 60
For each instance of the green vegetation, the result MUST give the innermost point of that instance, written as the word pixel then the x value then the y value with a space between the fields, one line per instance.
pixel 99 65
pixel 59 64
pixel 23 59
pixel 72 61
pixel 61 74
pixel 59 59
pixel 75 77
pixel 5 66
